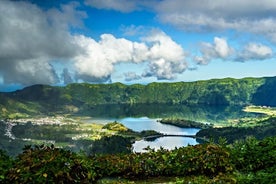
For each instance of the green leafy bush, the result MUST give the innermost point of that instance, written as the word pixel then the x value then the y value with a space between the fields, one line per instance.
pixel 5 165
pixel 249 161
pixel 43 164
pixel 255 160
pixel 111 145
pixel 43 99
pixel 253 155
pixel 115 126
pixel 207 159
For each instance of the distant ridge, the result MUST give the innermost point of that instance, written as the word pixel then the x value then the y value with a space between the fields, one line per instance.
pixel 228 91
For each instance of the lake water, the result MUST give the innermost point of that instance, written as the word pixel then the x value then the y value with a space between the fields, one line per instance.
pixel 144 123
pixel 165 142
pixel 136 117
pixel 144 117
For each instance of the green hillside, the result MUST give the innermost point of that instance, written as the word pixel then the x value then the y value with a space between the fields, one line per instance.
pixel 79 97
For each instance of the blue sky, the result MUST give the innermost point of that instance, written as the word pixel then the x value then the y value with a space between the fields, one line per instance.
pixel 134 41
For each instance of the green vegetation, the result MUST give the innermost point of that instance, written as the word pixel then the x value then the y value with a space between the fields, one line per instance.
pixel 112 145
pixel 5 164
pixel 70 134
pixel 115 126
pixel 265 94
pixel 43 164
pixel 147 133
pixel 225 160
pixel 260 129
pixel 199 113
pixel 248 161
pixel 271 111
pixel 80 98
pixel 185 123
pixel 255 160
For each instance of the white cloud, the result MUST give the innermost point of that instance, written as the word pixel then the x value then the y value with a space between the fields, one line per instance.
pixel 130 76
pixel 255 51
pixel 133 30
pixel 67 76
pixel 30 39
pixel 218 50
pixel 221 47
pixel 100 57
pixel 222 8
pixel 67 16
pixel 258 17
pixel 165 58
pixel 163 69
pixel 31 71
pixel 162 46
pixel 248 15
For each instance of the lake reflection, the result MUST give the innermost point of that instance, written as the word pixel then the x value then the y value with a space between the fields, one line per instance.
pixel 201 113
pixel 144 123
pixel 139 117
pixel 166 142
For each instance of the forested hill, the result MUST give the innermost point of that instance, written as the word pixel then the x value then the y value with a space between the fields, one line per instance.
pixel 257 91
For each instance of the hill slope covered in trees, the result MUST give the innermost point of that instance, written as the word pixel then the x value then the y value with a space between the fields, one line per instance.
pixel 77 97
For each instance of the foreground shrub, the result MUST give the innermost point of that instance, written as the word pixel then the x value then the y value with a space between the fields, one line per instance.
pixel 111 145
pixel 43 164
pixel 206 159
pixel 249 161
pixel 252 155
pixel 255 160
pixel 5 165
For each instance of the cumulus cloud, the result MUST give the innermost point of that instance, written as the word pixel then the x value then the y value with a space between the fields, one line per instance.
pixel 131 76
pixel 255 51
pixel 67 16
pixel 91 79
pixel 247 15
pixel 258 17
pixel 30 39
pixel 100 57
pixel 164 70
pixel 218 50
pixel 31 71
pixel 165 57
pixel 133 30
pixel 67 76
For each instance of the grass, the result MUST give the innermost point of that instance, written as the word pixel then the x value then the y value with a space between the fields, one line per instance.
pixel 261 109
